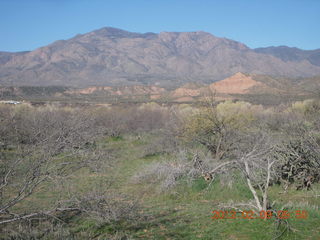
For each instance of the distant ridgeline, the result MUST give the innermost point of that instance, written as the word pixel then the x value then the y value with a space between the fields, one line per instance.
pixel 29 91
pixel 258 89
pixel 114 57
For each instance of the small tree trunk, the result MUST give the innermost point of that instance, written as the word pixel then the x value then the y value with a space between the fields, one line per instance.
pixel 253 191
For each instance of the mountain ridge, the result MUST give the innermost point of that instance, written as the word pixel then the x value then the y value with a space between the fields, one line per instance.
pixel 115 57
pixel 292 53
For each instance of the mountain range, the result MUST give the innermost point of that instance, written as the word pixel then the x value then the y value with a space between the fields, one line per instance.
pixel 114 57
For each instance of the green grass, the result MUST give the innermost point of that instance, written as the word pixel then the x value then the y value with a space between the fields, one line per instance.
pixel 180 213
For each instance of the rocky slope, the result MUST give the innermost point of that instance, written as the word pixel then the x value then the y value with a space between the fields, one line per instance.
pixel 233 87
pixel 113 57
pixel 239 83
pixel 292 54
pixel 7 56
pixel 236 84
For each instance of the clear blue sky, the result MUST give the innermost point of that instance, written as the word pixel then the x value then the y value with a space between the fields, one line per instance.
pixel 29 24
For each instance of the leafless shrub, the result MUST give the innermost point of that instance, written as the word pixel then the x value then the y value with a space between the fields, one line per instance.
pixel 168 173
pixel 47 144
pixel 299 162
pixel 162 143
pixel 119 120
pixel 146 118
pixel 37 229
pixel 103 207
pixel 112 121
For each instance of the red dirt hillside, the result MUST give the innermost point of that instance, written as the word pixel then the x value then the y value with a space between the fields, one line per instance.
pixel 236 84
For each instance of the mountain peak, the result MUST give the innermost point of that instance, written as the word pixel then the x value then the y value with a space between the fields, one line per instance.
pixel 238 83
pixel 114 32
pixel 239 75
pixel 112 56
pixel 119 33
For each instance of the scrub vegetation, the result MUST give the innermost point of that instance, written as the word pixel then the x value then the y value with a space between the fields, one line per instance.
pixel 151 171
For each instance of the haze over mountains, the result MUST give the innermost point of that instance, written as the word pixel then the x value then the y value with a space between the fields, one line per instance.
pixel 114 57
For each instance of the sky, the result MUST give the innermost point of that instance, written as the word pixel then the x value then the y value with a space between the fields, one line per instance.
pixel 29 24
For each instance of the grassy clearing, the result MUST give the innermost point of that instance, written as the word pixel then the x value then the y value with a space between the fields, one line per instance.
pixel 183 212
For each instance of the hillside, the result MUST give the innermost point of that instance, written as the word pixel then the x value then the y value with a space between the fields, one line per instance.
pixel 288 54
pixel 238 83
pixel 258 89
pixel 114 57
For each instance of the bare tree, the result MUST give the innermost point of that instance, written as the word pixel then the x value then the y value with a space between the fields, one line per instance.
pixel 257 165
pixel 253 156
pixel 48 144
